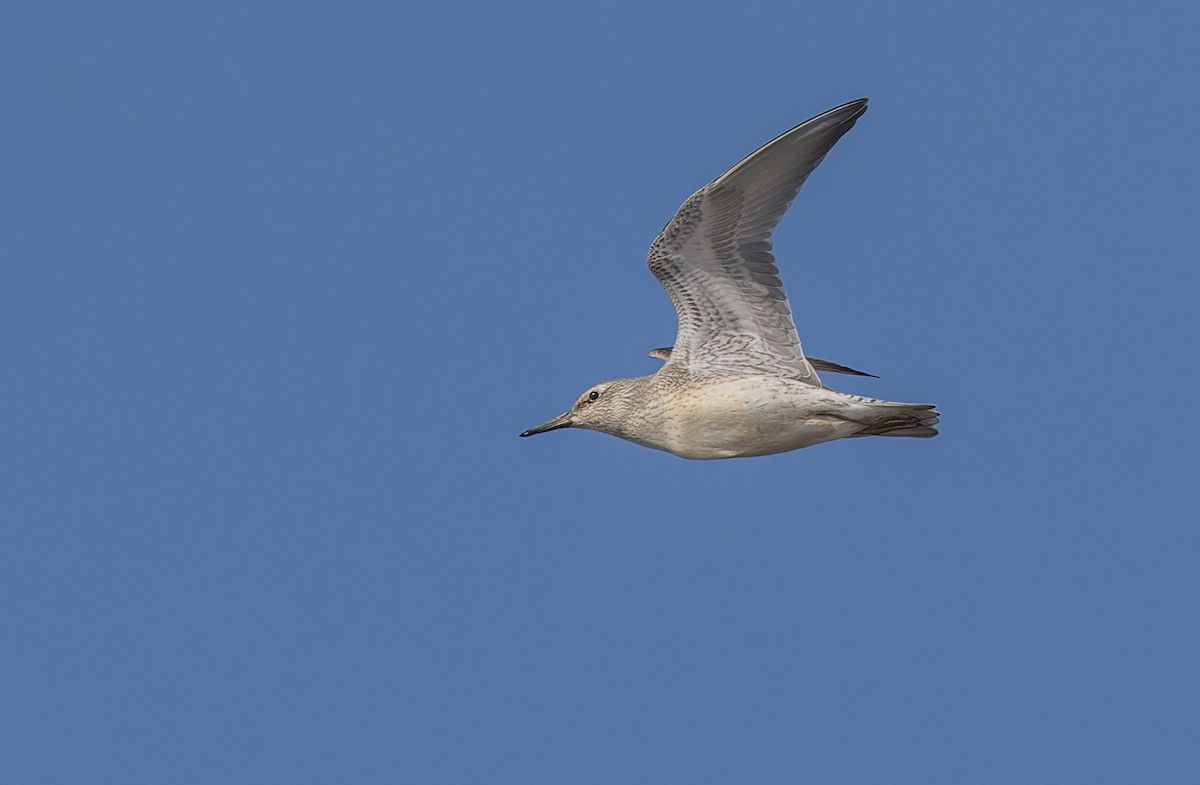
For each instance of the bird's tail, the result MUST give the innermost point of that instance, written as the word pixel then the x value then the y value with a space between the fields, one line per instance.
pixel 902 419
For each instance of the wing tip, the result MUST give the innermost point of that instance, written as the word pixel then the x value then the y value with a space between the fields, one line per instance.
pixel 852 109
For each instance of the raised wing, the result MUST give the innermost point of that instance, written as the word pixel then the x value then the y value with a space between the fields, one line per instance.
pixel 664 353
pixel 714 257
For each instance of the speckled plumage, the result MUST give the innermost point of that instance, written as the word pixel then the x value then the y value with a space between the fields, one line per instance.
pixel 737 383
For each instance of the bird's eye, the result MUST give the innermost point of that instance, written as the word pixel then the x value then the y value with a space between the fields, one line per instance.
pixel 593 395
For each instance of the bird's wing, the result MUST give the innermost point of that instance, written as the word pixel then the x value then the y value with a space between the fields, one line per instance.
pixel 664 353
pixel 714 257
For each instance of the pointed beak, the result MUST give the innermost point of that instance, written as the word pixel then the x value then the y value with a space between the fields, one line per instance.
pixel 561 421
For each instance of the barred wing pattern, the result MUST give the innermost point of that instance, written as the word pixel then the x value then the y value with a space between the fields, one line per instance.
pixel 714 257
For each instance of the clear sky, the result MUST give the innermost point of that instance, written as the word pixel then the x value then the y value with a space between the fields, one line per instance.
pixel 283 281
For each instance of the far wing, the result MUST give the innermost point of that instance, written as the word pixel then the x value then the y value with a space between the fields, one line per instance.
pixel 664 353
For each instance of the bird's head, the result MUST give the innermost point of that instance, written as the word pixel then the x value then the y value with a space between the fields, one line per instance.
pixel 602 407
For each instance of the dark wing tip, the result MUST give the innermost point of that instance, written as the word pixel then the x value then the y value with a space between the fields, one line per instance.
pixel 846 113
pixel 832 367
pixel 858 103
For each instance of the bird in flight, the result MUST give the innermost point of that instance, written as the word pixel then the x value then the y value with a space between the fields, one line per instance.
pixel 737 383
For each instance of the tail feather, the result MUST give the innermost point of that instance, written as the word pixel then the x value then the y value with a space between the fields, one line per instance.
pixel 905 419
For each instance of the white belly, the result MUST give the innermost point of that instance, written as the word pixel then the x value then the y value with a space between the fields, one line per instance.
pixel 752 416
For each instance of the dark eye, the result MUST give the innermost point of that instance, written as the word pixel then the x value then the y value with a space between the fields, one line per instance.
pixel 593 395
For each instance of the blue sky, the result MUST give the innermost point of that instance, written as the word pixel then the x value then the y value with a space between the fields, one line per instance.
pixel 284 282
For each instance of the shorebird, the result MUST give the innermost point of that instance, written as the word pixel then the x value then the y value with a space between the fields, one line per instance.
pixel 737 383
